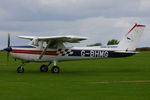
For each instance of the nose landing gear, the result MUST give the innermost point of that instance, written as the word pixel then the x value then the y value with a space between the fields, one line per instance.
pixel 20 69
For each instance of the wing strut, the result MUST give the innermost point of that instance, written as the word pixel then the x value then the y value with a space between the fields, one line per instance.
pixel 44 50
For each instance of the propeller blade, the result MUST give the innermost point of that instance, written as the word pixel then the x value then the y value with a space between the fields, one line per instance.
pixel 8 39
pixel 8 47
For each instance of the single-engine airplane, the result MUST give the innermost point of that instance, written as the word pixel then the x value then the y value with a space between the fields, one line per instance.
pixel 52 49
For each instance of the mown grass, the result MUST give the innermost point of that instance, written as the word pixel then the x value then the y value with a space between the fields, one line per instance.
pixel 102 79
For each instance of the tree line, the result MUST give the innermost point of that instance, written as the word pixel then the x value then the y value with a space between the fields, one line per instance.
pixel 110 42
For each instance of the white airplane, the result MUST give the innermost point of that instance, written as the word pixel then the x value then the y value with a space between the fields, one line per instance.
pixel 52 49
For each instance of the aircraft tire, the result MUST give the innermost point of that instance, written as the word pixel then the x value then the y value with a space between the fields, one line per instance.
pixel 44 68
pixel 55 69
pixel 20 70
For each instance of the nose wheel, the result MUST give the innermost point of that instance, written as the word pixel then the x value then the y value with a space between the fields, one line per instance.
pixel 20 69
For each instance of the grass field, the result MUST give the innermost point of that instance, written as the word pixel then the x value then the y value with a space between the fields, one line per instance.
pixel 103 79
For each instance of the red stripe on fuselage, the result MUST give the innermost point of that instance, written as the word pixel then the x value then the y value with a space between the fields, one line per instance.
pixel 35 52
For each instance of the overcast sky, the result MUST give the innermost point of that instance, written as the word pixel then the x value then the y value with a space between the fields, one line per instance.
pixel 100 20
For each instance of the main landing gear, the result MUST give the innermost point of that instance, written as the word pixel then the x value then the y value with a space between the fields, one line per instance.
pixel 54 69
pixel 44 68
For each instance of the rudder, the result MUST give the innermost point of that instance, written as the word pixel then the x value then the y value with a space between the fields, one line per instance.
pixel 131 39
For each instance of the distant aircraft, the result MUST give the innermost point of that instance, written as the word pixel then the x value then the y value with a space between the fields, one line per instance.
pixel 52 49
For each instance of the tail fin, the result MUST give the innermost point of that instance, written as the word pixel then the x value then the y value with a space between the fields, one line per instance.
pixel 130 40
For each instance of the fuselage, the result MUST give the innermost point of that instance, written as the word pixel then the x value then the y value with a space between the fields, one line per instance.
pixel 32 53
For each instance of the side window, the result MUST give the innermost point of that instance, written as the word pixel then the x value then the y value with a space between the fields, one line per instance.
pixel 53 45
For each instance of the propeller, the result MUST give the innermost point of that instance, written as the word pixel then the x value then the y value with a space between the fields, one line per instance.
pixel 8 39
pixel 8 49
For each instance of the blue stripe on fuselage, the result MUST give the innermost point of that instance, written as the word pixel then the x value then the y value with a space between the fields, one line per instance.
pixel 28 46
pixel 99 53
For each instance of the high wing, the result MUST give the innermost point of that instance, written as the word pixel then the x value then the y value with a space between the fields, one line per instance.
pixel 67 38
pixel 51 39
